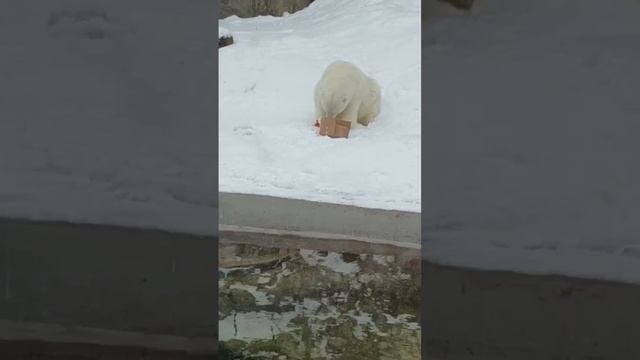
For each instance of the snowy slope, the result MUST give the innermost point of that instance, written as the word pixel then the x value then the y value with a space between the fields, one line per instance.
pixel 267 142
pixel 105 113
pixel 222 32
pixel 533 118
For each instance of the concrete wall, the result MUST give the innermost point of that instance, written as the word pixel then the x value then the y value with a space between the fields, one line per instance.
pixel 432 8
pixel 251 8
pixel 316 220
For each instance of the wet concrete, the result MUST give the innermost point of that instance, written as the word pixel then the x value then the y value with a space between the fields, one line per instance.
pixel 318 301
pixel 316 219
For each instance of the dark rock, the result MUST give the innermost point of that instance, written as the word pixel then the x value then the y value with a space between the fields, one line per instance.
pixel 241 300
pixel 225 41
pixel 252 8
pixel 350 257
pixel 460 4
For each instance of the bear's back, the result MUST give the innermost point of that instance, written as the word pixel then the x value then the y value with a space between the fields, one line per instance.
pixel 343 74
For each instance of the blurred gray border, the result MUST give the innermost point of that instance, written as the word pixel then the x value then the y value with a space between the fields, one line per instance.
pixel 136 285
pixel 501 315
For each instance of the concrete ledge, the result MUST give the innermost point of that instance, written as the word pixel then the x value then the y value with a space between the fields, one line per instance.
pixel 108 277
pixel 296 242
pixel 12 331
pixel 257 213
pixel 39 350
pixel 498 315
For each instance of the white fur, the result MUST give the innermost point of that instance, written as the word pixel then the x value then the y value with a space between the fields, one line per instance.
pixel 346 93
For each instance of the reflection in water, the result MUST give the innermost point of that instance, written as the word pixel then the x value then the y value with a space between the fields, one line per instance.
pixel 277 303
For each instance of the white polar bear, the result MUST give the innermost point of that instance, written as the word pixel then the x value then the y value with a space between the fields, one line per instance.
pixel 346 93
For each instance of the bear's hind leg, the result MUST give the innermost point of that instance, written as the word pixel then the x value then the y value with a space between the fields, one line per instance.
pixel 364 121
pixel 350 114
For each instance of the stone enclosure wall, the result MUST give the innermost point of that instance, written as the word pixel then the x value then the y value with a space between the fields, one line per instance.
pixel 429 7
pixel 251 8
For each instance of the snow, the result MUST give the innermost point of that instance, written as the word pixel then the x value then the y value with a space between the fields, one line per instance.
pixel 268 144
pixel 106 113
pixel 332 261
pixel 223 32
pixel 255 325
pixel 532 134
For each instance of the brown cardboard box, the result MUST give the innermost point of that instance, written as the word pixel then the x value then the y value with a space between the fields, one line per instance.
pixel 335 128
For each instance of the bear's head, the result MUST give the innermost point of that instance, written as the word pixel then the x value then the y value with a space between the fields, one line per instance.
pixel 336 102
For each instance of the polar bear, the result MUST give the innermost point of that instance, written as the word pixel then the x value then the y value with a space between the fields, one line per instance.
pixel 346 93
